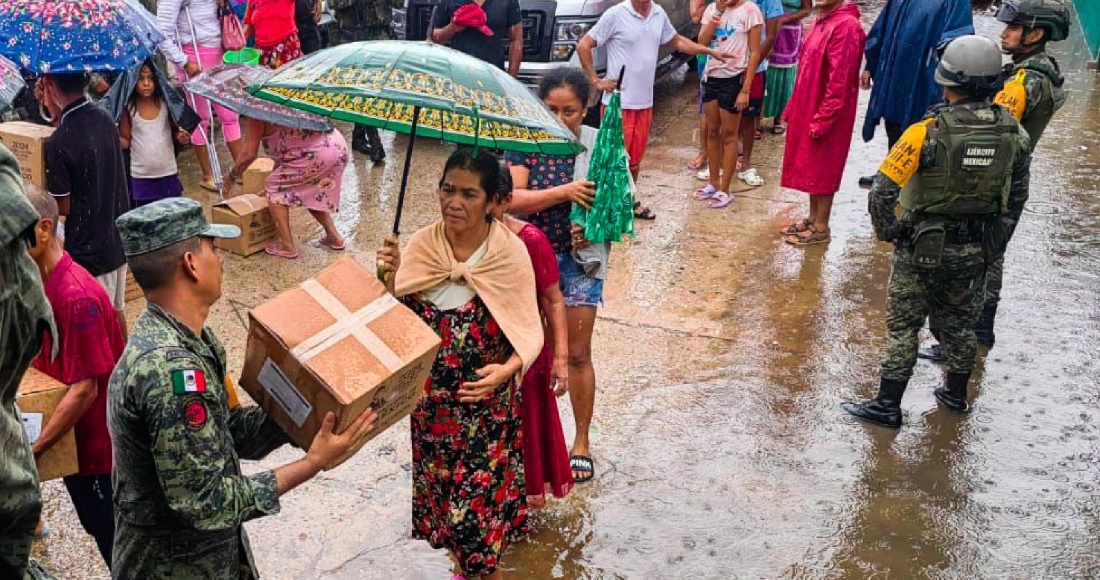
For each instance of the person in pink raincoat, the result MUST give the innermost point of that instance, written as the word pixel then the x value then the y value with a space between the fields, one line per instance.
pixel 821 114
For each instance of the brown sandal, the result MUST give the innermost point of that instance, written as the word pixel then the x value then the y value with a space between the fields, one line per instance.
pixel 796 228
pixel 809 237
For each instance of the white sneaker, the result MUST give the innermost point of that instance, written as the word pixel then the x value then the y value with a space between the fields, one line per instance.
pixel 703 175
pixel 750 177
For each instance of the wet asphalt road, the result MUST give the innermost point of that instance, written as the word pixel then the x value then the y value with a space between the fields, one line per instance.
pixel 721 355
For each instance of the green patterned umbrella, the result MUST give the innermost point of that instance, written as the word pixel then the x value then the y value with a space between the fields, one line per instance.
pixel 422 89
pixel 612 213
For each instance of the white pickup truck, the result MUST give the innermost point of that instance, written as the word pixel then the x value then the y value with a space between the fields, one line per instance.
pixel 551 31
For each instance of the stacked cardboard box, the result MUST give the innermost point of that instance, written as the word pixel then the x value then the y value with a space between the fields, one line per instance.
pixel 27 142
pixel 250 213
pixel 255 176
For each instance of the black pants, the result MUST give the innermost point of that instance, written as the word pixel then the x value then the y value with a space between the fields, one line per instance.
pixel 92 498
pixel 893 133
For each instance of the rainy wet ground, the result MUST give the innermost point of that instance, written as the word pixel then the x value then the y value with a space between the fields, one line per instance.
pixel 722 354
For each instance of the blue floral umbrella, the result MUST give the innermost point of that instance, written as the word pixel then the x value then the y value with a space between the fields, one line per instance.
pixel 56 36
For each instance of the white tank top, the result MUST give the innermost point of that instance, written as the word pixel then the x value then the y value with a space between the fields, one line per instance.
pixel 152 153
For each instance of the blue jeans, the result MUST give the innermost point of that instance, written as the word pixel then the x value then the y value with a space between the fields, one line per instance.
pixel 577 288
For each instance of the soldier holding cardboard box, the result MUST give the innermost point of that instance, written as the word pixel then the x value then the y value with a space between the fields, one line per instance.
pixel 180 496
pixel 89 341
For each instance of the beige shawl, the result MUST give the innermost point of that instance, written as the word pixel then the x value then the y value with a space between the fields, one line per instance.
pixel 503 278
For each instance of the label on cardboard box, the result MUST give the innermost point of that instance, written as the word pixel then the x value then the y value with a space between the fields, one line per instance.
pixel 295 405
pixel 32 422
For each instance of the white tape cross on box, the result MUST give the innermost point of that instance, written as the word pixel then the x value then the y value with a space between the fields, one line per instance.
pixel 348 324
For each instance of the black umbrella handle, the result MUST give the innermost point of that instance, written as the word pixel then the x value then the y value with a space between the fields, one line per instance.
pixel 405 172
pixel 622 71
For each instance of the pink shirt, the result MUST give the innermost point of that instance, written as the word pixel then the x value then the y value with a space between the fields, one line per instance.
pixel 89 343
pixel 732 36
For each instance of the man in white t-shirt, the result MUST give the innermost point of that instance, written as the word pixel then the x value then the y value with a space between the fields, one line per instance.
pixel 633 33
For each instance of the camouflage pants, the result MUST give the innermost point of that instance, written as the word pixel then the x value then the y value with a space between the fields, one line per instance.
pixel 949 298
pixel 15 543
pixel 994 276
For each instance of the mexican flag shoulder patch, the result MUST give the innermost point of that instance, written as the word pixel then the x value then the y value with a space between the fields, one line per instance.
pixel 188 381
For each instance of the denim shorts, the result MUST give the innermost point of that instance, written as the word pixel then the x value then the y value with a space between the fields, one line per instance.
pixel 576 286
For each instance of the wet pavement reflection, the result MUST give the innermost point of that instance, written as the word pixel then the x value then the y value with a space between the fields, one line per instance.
pixel 722 354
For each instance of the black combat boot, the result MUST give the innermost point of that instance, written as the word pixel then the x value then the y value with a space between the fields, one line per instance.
pixel 359 140
pixel 984 329
pixel 884 409
pixel 953 393
pixel 377 152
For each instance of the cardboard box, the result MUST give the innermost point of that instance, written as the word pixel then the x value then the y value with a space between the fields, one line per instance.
pixel 27 142
pixel 133 291
pixel 255 176
pixel 37 398
pixel 338 342
pixel 250 213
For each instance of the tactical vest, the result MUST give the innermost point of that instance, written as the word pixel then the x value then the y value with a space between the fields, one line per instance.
pixel 969 169
pixel 1040 116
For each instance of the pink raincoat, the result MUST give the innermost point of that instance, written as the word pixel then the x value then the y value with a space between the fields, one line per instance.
pixel 824 100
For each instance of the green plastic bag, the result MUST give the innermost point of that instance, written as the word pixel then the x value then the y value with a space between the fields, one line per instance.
pixel 612 213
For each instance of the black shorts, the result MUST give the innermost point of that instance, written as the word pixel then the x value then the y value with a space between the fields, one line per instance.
pixel 723 90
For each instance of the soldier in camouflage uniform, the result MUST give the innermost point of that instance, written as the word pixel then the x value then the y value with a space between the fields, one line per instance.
pixel 365 20
pixel 961 175
pixel 1033 94
pixel 180 497
pixel 24 316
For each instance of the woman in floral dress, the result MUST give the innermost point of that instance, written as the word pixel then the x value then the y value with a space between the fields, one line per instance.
pixel 309 168
pixel 470 279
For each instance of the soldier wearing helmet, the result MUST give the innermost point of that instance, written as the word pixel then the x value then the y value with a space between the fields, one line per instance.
pixel 961 177
pixel 1032 93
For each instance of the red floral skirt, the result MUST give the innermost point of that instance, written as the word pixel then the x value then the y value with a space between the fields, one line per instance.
pixel 287 50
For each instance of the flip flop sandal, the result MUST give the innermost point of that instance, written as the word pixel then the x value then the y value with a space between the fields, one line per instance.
pixel 323 242
pixel 705 193
pixel 796 228
pixel 208 186
pixel 697 163
pixel 750 177
pixel 721 200
pixel 778 129
pixel 703 175
pixel 643 213
pixel 809 237
pixel 273 250
pixel 583 464
pixel 758 134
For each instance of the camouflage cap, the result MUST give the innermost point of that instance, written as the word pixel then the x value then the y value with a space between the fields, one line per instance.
pixel 166 222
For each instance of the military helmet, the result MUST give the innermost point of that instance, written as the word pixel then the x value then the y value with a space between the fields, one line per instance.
pixel 973 64
pixel 1050 15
